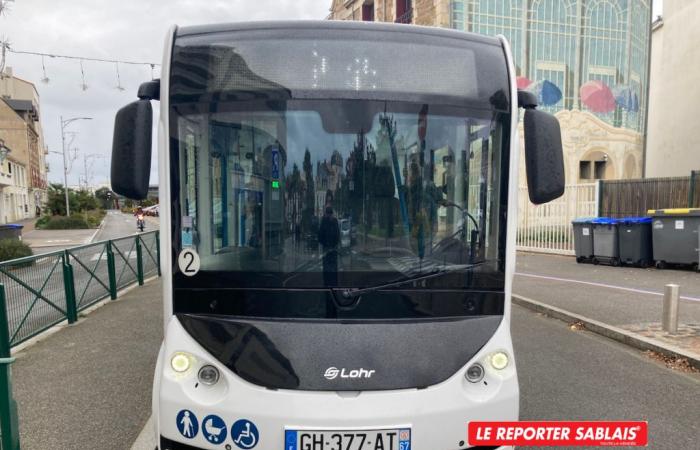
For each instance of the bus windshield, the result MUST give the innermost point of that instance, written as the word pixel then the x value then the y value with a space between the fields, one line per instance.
pixel 402 189
pixel 308 158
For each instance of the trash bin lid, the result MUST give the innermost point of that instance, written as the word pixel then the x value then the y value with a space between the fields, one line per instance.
pixel 583 220
pixel 674 212
pixel 12 225
pixel 635 220
pixel 605 221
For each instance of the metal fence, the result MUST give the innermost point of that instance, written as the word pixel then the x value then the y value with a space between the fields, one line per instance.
pixel 38 292
pixel 547 228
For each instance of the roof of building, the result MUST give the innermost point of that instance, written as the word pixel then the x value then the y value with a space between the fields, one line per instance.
pixel 23 106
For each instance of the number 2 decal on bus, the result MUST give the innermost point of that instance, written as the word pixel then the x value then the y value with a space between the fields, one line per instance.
pixel 188 261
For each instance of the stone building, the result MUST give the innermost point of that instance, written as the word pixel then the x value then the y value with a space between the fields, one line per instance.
pixel 673 145
pixel 567 44
pixel 20 128
pixel 14 152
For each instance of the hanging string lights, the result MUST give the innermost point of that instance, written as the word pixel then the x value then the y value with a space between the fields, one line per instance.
pixel 119 86
pixel 6 48
pixel 44 79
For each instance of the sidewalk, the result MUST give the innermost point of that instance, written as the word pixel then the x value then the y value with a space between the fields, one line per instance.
pixel 627 298
pixel 45 241
pixel 89 385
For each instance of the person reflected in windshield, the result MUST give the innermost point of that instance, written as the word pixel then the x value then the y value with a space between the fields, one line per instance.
pixel 329 237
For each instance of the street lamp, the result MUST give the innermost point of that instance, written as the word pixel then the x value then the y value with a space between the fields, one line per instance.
pixel 64 124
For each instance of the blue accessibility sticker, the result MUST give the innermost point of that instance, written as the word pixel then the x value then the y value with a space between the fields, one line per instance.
pixel 214 429
pixel 245 434
pixel 187 423
pixel 290 440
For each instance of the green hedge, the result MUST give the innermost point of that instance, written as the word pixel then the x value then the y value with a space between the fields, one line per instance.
pixel 77 221
pixel 13 249
pixel 67 223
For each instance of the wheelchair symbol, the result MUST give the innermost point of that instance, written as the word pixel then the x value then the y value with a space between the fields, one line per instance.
pixel 244 434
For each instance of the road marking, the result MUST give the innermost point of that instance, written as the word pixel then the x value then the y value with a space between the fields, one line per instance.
pixel 603 285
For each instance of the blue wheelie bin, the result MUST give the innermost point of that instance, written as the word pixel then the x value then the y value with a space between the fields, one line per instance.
pixel 634 235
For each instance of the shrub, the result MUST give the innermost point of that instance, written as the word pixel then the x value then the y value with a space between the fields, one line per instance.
pixel 13 249
pixel 94 217
pixel 67 223
pixel 42 221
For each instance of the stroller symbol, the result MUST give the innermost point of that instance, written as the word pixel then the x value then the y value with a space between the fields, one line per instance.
pixel 214 429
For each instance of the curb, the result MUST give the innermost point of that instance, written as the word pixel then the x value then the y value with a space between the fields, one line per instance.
pixel 609 331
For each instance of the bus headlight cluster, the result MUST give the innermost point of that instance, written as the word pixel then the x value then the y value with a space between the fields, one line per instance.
pixel 475 373
pixel 208 375
pixel 499 360
pixel 180 362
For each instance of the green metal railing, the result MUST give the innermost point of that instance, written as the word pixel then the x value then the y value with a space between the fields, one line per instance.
pixel 38 292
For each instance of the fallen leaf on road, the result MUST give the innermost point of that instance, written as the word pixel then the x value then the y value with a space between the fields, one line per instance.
pixel 577 326
pixel 680 364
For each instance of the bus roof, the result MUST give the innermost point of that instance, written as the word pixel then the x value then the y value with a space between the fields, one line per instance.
pixel 335 25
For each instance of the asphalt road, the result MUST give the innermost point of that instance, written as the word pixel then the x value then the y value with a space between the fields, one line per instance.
pixel 615 295
pixel 119 225
pixel 578 375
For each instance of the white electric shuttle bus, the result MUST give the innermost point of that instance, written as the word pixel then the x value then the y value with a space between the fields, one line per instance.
pixel 283 143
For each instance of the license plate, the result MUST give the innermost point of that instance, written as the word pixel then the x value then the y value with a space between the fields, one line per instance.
pixel 387 439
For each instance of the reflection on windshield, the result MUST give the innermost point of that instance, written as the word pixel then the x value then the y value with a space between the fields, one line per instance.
pixel 308 190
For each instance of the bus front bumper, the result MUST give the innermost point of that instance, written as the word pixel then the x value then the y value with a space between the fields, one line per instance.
pixel 437 415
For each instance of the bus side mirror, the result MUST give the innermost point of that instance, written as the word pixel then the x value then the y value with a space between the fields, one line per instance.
pixel 131 150
pixel 544 158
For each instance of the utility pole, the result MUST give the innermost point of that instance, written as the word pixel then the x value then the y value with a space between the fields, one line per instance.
pixel 85 164
pixel 64 124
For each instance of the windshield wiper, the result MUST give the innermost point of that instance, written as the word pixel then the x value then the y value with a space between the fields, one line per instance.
pixel 439 271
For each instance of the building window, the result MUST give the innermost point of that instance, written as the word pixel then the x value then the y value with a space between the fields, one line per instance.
pixel 584 170
pixel 404 11
pixel 492 17
pixel 368 12
pixel 552 45
pixel 457 15
pixel 599 169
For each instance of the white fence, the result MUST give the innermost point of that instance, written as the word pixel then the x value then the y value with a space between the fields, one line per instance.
pixel 547 228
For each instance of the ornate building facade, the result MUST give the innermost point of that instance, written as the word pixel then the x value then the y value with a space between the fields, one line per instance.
pixel 587 60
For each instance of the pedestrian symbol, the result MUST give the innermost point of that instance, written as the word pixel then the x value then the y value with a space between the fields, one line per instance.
pixel 214 429
pixel 244 434
pixel 187 424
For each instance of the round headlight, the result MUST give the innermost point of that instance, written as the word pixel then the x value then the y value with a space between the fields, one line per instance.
pixel 475 373
pixel 208 375
pixel 499 360
pixel 180 362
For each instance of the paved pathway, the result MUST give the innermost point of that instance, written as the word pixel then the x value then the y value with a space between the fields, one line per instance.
pixel 88 386
pixel 626 297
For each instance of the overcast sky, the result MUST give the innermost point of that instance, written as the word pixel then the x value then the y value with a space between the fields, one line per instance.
pixel 113 29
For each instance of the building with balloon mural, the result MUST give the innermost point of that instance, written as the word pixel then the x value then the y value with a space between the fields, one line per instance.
pixel 586 60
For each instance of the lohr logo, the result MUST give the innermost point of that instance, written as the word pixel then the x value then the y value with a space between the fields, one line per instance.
pixel 333 372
